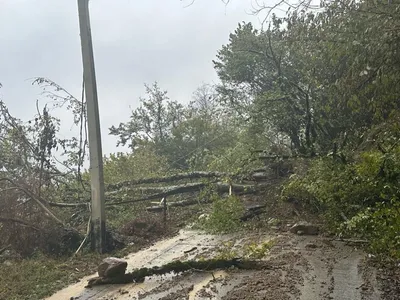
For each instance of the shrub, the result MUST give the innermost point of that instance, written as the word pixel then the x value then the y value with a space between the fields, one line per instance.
pixel 225 215
pixel 380 225
pixel 361 197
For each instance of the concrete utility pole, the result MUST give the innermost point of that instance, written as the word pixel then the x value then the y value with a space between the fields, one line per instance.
pixel 98 225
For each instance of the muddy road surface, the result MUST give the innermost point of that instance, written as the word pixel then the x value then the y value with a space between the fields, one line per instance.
pixel 303 267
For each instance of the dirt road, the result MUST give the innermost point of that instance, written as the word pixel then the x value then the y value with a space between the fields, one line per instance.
pixel 304 268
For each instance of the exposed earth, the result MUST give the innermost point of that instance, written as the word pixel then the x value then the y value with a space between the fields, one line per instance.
pixel 302 267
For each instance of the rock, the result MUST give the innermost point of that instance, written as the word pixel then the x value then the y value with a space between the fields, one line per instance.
pixel 204 217
pixel 304 228
pixel 112 267
pixel 8 263
pixel 311 246
pixel 273 222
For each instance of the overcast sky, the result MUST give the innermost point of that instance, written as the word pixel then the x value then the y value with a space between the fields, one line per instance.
pixel 135 42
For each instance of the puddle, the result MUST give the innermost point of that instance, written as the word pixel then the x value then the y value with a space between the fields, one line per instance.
pixel 188 244
pixel 178 247
pixel 211 276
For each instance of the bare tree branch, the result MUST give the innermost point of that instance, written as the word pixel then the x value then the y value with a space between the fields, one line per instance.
pixel 19 221
pixel 41 202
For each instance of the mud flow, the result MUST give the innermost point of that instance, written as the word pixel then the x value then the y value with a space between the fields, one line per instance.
pixel 303 268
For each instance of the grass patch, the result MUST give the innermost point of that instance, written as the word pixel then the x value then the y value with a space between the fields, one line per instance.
pixel 40 276
pixel 251 250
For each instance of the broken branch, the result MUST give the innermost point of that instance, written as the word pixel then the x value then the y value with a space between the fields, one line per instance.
pixel 19 221
pixel 193 187
pixel 179 267
pixel 37 199
pixel 183 203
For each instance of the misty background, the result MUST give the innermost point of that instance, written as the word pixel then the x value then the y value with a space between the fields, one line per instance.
pixel 135 42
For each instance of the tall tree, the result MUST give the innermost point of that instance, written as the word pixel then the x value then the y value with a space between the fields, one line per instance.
pixel 313 76
pixel 185 135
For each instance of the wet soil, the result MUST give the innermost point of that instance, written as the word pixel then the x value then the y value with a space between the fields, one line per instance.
pixel 303 268
pixel 316 268
pixel 389 279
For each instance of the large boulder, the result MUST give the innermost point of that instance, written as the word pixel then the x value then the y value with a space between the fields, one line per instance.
pixel 304 228
pixel 112 267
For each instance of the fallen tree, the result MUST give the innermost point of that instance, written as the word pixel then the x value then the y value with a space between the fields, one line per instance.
pixel 172 190
pixel 139 275
pixel 170 178
pixel 250 212
pixel 181 176
pixel 183 203
pixel 194 187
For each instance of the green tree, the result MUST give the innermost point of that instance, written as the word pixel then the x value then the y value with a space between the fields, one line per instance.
pixel 151 122
pixel 319 78
pixel 185 135
pixel 144 162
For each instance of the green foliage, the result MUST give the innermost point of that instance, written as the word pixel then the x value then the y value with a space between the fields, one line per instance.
pixel 239 157
pixel 361 197
pixel 38 278
pixel 142 163
pixel 258 251
pixel 226 251
pixel 152 121
pixel 380 225
pixel 320 83
pixel 41 276
pixel 225 215
pixel 318 78
pixel 251 250
pixel 187 136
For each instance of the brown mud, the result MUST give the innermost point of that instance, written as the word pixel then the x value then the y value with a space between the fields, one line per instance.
pixel 303 268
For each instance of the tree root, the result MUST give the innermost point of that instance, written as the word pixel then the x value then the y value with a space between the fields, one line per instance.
pixel 139 275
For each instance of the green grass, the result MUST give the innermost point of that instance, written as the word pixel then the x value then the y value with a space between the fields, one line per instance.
pixel 36 278
pixel 40 276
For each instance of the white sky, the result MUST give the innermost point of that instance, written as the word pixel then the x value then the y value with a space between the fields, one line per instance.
pixel 135 42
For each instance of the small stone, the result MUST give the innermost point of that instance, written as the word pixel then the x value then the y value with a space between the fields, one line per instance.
pixel 204 217
pixel 304 228
pixel 273 222
pixel 123 292
pixel 311 246
pixel 112 267
pixel 8 263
